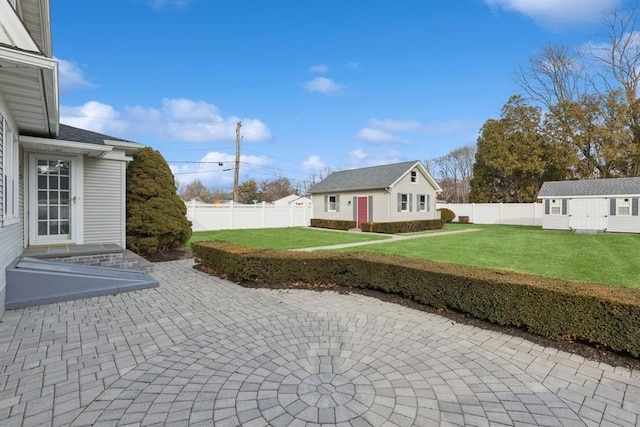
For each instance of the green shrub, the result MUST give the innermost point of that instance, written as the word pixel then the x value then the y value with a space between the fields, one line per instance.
pixel 403 226
pixel 447 215
pixel 156 217
pixel 333 224
pixel 545 306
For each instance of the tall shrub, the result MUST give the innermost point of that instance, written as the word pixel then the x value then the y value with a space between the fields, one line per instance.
pixel 156 216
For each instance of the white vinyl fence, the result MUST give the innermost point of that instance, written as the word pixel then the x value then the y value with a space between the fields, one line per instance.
pixel 498 213
pixel 205 217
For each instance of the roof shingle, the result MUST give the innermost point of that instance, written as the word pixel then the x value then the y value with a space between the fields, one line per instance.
pixel 364 178
pixel 591 187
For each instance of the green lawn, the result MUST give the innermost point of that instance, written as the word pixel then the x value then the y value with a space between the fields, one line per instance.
pixel 600 258
pixel 282 238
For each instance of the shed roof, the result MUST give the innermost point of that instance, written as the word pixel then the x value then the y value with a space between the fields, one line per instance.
pixel 373 177
pixel 591 187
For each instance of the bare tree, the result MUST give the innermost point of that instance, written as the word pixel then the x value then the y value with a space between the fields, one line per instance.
pixel 195 190
pixel 305 185
pixel 554 75
pixel 454 172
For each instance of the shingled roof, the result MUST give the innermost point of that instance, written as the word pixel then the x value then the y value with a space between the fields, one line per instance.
pixel 591 187
pixel 363 179
pixel 70 133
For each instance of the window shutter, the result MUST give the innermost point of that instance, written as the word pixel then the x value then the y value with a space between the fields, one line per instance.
pixel 564 206
pixel 612 207
pixel 326 203
pixel 428 202
pixel 410 197
pixel 355 208
pixel 370 206
pixel 634 207
pixel 547 206
pixel 399 202
pixel 337 203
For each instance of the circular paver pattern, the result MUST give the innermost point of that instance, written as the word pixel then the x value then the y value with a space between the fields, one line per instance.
pixel 333 369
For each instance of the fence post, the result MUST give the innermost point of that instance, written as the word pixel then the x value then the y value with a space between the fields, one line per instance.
pixel 264 214
pixel 231 215
pixel 193 212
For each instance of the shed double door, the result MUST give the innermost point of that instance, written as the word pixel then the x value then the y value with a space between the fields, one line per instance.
pixel 588 214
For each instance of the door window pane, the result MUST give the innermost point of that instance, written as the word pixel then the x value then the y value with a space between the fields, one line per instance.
pixel 53 197
pixel 53 228
pixel 64 212
pixel 53 182
pixel 42 228
pixel 64 227
pixel 53 212
pixel 42 212
pixel 42 197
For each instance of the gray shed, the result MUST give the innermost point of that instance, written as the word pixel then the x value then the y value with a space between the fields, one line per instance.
pixel 609 204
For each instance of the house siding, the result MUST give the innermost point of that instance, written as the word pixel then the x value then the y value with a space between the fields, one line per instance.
pixel 11 236
pixel 623 224
pixel 346 212
pixel 405 186
pixel 104 193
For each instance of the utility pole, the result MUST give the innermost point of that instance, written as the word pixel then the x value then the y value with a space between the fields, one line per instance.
pixel 237 168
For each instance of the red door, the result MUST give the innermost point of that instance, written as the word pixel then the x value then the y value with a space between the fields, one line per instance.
pixel 363 210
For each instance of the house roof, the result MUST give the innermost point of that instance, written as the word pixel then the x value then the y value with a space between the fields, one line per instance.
pixel 591 187
pixel 70 133
pixel 373 177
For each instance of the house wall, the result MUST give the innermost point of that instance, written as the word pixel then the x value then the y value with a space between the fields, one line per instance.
pixel 104 201
pixel 405 186
pixel 11 236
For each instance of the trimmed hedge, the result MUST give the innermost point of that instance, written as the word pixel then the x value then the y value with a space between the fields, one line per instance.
pixel 545 306
pixel 334 224
pixel 447 215
pixel 403 226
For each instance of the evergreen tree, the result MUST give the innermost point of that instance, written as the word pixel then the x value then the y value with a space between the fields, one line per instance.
pixel 510 155
pixel 156 216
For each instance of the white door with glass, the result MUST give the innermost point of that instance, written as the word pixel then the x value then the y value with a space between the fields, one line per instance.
pixel 52 201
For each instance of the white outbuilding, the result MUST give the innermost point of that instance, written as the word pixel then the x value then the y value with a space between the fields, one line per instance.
pixel 609 204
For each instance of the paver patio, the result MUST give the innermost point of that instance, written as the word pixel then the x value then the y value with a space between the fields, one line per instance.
pixel 200 350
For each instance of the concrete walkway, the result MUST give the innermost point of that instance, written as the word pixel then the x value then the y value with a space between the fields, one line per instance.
pixel 392 238
pixel 203 351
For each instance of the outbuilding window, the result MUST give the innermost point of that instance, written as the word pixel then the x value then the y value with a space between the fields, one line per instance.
pixel 333 201
pixel 556 207
pixel 414 177
pixel 422 203
pixel 405 202
pixel 624 207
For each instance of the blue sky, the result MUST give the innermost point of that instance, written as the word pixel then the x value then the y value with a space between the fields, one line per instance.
pixel 317 84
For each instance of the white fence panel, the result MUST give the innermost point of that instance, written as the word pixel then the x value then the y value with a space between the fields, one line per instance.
pixel 205 217
pixel 498 213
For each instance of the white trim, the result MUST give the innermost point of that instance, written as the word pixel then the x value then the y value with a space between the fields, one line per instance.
pixel 62 146
pixel 15 30
pixel 29 59
pixel 76 227
pixel 130 148
pixel 426 174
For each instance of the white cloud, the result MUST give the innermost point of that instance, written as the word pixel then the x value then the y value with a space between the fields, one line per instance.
pixel 94 116
pixel 320 68
pixel 375 135
pixel 176 119
pixel 359 158
pixel 212 174
pixel 70 76
pixel 558 11
pixel 313 163
pixel 385 130
pixel 389 125
pixel 324 85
